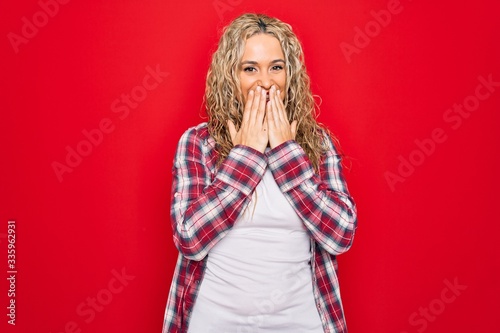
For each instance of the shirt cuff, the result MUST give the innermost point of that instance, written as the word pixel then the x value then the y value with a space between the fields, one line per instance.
pixel 242 169
pixel 289 165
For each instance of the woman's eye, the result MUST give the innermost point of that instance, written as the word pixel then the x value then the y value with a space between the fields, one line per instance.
pixel 253 69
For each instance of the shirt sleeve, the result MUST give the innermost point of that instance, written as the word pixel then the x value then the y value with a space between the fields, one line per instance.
pixel 322 201
pixel 203 210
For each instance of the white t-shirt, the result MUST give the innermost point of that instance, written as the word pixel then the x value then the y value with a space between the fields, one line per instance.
pixel 258 277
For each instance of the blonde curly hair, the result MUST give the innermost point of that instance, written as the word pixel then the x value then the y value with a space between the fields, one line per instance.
pixel 224 99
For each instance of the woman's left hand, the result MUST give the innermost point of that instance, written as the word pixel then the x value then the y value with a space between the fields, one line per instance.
pixel 280 130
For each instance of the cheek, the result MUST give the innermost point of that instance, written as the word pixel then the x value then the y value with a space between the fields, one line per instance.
pixel 281 81
pixel 283 88
pixel 245 86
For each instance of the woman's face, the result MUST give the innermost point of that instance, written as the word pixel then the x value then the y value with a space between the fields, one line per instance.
pixel 262 64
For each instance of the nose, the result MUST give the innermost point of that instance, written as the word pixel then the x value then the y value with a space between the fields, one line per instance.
pixel 265 81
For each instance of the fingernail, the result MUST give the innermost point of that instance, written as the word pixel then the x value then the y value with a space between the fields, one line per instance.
pixel 258 89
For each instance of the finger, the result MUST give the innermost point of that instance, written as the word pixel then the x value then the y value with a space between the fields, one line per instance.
pixel 269 120
pixel 280 108
pixel 254 106
pixel 261 111
pixel 273 112
pixel 248 106
pixel 269 110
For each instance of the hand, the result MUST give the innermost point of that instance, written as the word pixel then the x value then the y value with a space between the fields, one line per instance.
pixel 280 130
pixel 253 129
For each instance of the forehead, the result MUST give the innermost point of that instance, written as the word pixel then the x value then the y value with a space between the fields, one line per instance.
pixel 262 47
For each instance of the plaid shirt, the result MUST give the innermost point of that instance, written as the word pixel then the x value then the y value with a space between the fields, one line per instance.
pixel 207 200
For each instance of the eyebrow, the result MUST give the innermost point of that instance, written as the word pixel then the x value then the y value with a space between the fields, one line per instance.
pixel 251 62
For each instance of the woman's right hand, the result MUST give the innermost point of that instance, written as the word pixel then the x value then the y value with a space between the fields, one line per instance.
pixel 253 130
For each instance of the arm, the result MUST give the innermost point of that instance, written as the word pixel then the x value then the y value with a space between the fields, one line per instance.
pixel 202 210
pixel 323 203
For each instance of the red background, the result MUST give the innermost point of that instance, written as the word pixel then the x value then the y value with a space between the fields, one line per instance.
pixel 112 211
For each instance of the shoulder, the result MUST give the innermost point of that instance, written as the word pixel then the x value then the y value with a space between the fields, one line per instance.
pixel 198 132
pixel 196 141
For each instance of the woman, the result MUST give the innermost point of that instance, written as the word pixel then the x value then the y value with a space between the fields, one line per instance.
pixel 260 209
